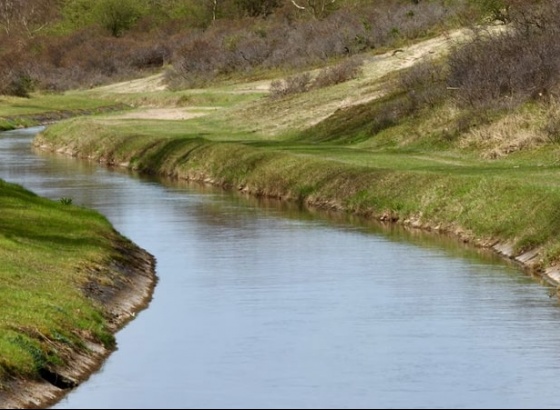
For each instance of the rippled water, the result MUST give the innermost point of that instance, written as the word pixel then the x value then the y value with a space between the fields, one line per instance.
pixel 261 305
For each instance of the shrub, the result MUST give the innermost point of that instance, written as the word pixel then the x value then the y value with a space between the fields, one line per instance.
pixel 19 84
pixel 273 36
pixel 66 201
pixel 424 84
pixel 118 16
pixel 514 66
pixel 16 74
pixel 340 73
pixel 292 85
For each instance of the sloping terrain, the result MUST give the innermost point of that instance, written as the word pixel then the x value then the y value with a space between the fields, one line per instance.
pixel 299 111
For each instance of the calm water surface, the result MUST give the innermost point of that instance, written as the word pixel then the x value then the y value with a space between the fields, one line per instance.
pixel 263 306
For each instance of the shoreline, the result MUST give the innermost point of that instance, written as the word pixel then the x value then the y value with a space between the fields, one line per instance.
pixel 530 261
pixel 128 301
pixel 132 296
pixel 46 118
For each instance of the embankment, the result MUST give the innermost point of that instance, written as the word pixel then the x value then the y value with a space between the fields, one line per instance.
pixel 517 220
pixel 11 122
pixel 137 268
pixel 69 282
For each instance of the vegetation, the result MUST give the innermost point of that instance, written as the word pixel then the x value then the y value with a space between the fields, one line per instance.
pixel 316 102
pixel 25 112
pixel 51 252
pixel 87 43
pixel 441 148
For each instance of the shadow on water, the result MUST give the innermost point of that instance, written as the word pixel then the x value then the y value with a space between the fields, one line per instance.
pixel 447 243
pixel 451 245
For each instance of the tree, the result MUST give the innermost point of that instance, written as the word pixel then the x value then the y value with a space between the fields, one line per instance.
pixel 117 16
pixel 495 9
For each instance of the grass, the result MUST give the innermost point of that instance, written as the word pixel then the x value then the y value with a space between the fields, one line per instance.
pixel 511 199
pixel 18 112
pixel 48 250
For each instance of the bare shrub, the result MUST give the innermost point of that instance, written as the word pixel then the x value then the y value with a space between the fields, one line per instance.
pixel 17 83
pixel 198 61
pixel 506 70
pixel 283 41
pixel 149 55
pixel 277 89
pixel 276 37
pixel 16 73
pixel 424 84
pixel 340 73
pixel 530 16
pixel 515 66
pixel 392 21
pixel 251 50
pixel 89 58
pixel 295 84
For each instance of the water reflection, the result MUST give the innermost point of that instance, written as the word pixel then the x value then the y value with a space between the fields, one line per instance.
pixel 261 304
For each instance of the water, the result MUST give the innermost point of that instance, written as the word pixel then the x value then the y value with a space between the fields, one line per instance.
pixel 261 305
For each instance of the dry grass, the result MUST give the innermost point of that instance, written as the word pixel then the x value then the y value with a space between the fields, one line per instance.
pixel 512 133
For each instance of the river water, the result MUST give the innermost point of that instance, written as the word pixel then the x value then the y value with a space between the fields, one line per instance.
pixel 263 305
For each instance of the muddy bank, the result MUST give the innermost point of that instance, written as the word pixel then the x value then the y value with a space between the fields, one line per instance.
pixel 134 271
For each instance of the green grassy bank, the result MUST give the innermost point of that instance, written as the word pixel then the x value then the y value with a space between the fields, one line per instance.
pixel 366 145
pixel 514 200
pixel 58 275
pixel 17 112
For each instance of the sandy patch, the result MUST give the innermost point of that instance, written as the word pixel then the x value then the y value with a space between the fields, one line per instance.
pixel 148 84
pixel 307 109
pixel 166 113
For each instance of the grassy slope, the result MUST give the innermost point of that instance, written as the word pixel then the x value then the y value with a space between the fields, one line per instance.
pixel 48 252
pixel 327 147
pixel 18 112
